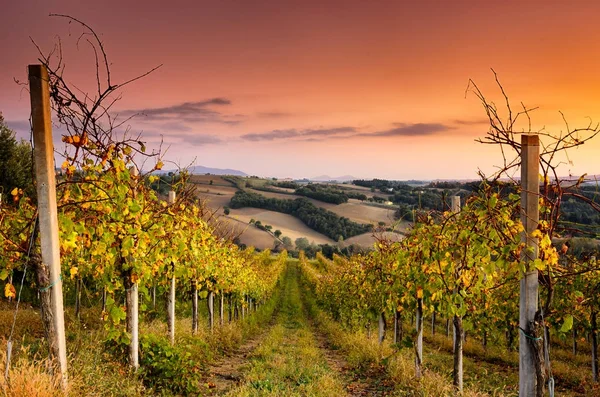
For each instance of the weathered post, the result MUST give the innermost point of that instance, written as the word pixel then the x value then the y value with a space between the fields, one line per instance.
pixel 171 295
pixel 194 307
pixel 210 300
pixel 419 327
pixel 528 303
pixel 221 309
pixel 382 327
pixel 458 332
pixel 48 215
pixel 132 305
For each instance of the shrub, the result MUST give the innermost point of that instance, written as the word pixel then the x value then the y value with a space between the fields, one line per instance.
pixel 167 368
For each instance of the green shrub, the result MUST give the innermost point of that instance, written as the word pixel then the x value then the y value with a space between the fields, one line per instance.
pixel 167 368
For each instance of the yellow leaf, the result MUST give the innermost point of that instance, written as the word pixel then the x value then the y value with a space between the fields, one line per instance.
pixel 419 293
pixel 73 272
pixel 14 192
pixel 536 233
pixel 159 165
pixel 9 291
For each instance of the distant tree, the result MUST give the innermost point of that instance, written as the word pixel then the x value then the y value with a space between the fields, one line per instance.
pixel 252 221
pixel 268 227
pixel 277 233
pixel 210 182
pixel 15 162
pixel 302 243
pixel 226 210
pixel 287 243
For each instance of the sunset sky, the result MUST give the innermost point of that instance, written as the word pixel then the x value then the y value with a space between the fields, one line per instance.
pixel 305 88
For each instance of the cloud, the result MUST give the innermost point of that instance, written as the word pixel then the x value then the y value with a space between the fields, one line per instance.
pixel 18 125
pixel 294 133
pixel 471 122
pixel 274 115
pixel 191 139
pixel 188 112
pixel 404 129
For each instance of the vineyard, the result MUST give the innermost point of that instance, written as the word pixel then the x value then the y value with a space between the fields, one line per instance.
pixel 112 287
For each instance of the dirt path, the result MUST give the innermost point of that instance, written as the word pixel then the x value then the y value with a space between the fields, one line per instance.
pixel 371 382
pixel 227 372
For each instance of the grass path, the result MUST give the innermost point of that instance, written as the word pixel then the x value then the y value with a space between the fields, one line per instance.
pixel 289 361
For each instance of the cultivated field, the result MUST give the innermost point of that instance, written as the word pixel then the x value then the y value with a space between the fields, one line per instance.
pixel 289 225
pixel 354 210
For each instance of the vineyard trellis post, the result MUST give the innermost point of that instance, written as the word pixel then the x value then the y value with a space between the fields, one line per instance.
pixel 47 211
pixel 133 305
pixel 528 302
pixel 210 301
pixel 457 345
pixel 171 295
pixel 221 314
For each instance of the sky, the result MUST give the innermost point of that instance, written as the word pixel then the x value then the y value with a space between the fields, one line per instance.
pixel 307 88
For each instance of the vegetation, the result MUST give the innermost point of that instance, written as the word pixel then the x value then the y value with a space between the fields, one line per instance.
pixel 316 218
pixel 15 163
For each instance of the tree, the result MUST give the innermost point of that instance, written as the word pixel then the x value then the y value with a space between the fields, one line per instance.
pixel 287 243
pixel 277 233
pixel 15 162
pixel 226 210
pixel 302 243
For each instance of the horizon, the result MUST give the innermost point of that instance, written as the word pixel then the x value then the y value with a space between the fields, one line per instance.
pixel 307 89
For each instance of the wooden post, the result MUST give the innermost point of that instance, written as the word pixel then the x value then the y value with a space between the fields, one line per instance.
pixel 221 309
pixel 48 215
pixel 381 327
pixel 458 331
pixel 594 337
pixel 154 296
pixel 528 303
pixel 103 299
pixel 171 295
pixel 210 300
pixel 433 323
pixel 457 373
pixel 194 307
pixel 419 327
pixel 78 298
pixel 132 304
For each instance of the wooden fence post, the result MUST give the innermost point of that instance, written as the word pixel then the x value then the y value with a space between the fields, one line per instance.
pixel 48 215
pixel 194 307
pixel 528 303
pixel 457 326
pixel 210 301
pixel 133 306
pixel 171 295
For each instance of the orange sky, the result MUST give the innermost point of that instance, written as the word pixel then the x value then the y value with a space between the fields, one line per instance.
pixel 305 88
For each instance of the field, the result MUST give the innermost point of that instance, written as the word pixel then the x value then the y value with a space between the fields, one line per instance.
pixel 217 193
pixel 353 209
pixel 289 225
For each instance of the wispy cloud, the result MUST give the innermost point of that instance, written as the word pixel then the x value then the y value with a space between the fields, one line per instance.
pixel 471 122
pixel 405 129
pixel 187 112
pixel 297 133
pixel 191 139
pixel 274 115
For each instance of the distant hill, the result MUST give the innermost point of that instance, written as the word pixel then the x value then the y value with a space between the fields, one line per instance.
pixel 327 178
pixel 202 170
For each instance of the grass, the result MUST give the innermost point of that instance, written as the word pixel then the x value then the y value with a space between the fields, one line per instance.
pixel 95 370
pixel 289 362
